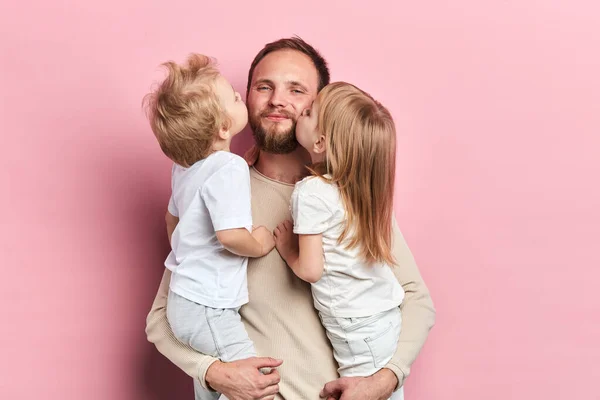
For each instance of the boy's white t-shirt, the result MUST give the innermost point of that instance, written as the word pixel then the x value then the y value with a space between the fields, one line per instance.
pixel 211 195
pixel 349 287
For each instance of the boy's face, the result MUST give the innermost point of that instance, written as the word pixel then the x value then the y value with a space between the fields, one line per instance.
pixel 232 103
pixel 284 83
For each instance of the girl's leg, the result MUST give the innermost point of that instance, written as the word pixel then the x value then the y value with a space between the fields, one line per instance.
pixel 362 346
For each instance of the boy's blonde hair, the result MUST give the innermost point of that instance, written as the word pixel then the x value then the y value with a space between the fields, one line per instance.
pixel 185 112
pixel 360 140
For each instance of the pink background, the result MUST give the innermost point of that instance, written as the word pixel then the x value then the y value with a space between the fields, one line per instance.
pixel 497 105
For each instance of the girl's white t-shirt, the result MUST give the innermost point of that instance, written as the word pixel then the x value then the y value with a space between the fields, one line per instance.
pixel 211 195
pixel 349 287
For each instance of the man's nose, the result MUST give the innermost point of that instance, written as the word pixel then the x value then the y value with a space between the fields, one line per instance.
pixel 278 99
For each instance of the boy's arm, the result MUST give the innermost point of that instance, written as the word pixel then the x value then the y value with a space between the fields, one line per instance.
pixel 302 253
pixel 158 331
pixel 172 222
pixel 243 243
pixel 418 313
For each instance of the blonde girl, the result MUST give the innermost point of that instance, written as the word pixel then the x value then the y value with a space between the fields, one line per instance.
pixel 340 240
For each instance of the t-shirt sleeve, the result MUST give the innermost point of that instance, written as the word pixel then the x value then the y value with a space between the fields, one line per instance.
pixel 310 211
pixel 172 207
pixel 226 195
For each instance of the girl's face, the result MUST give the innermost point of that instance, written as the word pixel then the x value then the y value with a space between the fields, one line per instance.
pixel 306 129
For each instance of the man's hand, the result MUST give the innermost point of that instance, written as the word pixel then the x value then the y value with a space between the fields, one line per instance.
pixel 242 380
pixel 378 386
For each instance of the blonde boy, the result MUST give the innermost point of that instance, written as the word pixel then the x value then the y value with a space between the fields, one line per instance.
pixel 194 114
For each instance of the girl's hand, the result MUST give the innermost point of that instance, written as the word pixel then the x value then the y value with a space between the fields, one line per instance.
pixel 286 242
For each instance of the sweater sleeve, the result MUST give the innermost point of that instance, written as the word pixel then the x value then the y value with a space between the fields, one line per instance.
pixel 418 313
pixel 158 331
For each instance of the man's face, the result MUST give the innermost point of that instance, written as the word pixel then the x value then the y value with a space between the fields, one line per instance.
pixel 284 83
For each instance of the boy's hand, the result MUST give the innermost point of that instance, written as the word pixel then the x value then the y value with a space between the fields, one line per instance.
pixel 286 241
pixel 265 238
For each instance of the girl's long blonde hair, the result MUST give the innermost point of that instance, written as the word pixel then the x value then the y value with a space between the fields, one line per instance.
pixel 360 140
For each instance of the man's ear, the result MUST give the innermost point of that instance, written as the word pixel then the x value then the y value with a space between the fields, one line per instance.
pixel 319 146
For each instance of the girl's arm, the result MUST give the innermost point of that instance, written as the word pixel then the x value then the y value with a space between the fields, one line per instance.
pixel 302 253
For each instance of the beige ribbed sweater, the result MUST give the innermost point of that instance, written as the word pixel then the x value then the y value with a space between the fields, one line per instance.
pixel 280 317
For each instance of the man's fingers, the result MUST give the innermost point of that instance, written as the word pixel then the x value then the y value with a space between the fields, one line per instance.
pixel 270 379
pixel 332 388
pixel 270 391
pixel 270 383
pixel 262 362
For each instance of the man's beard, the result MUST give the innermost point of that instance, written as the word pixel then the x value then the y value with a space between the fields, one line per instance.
pixel 272 140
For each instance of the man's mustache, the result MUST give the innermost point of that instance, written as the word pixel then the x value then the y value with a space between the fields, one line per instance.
pixel 284 113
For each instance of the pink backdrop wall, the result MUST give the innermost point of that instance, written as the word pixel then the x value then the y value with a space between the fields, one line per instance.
pixel 498 109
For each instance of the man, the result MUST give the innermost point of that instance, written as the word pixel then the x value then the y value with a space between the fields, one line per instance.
pixel 283 80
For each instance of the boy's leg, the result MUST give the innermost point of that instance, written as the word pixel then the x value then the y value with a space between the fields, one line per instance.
pixel 190 326
pixel 229 334
pixel 216 332
pixel 202 394
pixel 230 338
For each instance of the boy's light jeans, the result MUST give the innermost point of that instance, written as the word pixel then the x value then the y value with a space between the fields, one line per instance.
pixel 216 332
pixel 362 346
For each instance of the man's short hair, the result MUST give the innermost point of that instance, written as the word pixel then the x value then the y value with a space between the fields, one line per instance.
pixel 297 44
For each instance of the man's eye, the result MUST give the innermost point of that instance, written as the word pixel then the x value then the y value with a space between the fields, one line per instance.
pixel 297 91
pixel 263 88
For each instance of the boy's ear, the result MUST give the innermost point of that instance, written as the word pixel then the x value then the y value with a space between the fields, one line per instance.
pixel 319 146
pixel 224 133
